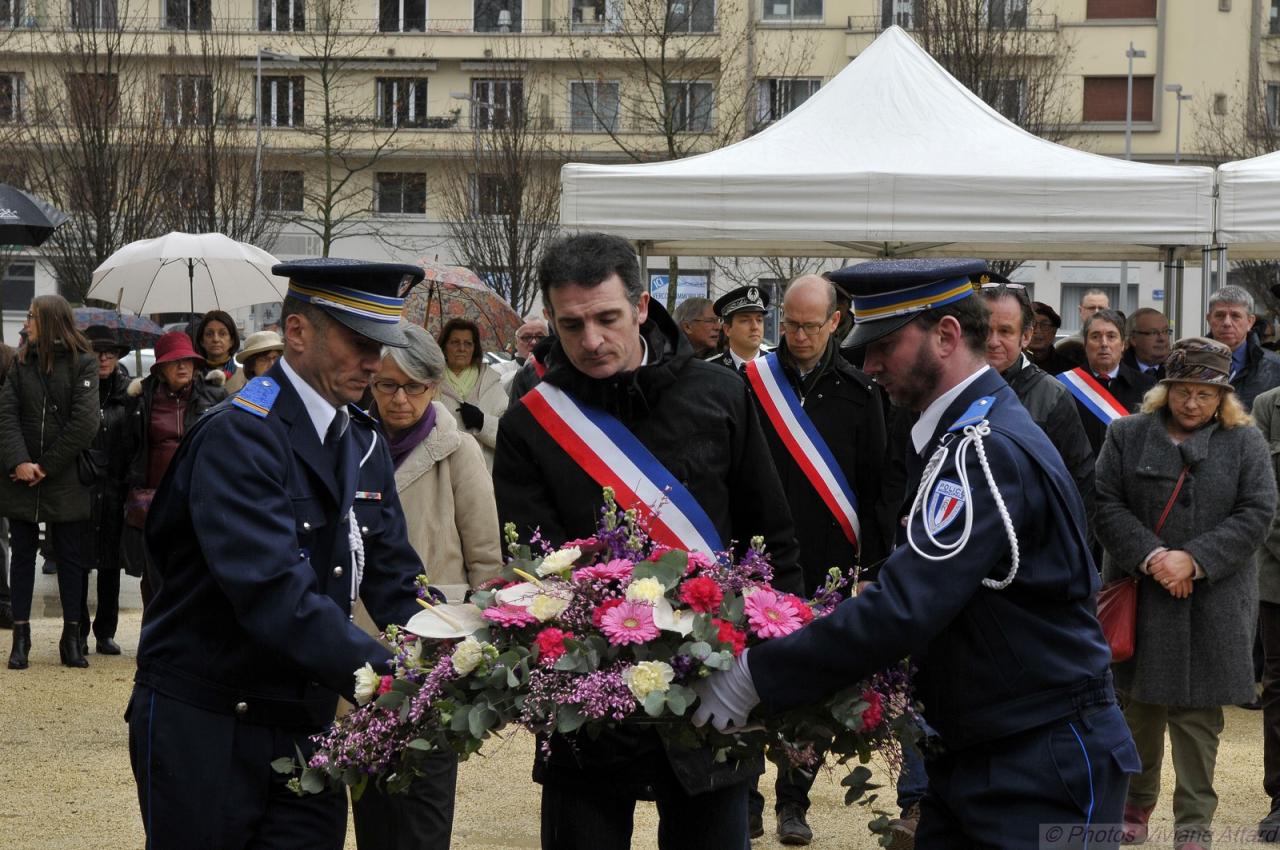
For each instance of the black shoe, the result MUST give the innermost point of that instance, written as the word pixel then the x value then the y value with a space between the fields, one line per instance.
pixel 49 567
pixel 755 824
pixel 792 827
pixel 1269 827
pixel 6 616
pixel 1256 705
pixel 107 646
pixel 69 646
pixel 21 646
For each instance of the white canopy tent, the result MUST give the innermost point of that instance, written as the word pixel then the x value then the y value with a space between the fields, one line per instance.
pixel 1249 207
pixel 894 157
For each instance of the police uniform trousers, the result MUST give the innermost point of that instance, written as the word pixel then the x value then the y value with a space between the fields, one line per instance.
pixel 205 781
pixel 1040 789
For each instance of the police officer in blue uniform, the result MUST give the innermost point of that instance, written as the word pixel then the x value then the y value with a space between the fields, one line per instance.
pixel 742 313
pixel 279 508
pixel 990 591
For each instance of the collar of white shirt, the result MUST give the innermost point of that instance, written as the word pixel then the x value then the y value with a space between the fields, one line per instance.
pixel 738 361
pixel 923 430
pixel 320 411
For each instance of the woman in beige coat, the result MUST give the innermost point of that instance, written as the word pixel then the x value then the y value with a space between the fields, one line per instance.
pixel 471 390
pixel 446 493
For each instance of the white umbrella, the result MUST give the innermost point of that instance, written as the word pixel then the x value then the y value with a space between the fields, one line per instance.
pixel 181 272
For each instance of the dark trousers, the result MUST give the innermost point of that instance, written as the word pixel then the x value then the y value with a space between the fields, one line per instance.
pixel 5 595
pixel 581 816
pixel 107 613
pixel 1269 622
pixel 205 781
pixel 1013 792
pixel 790 788
pixel 24 538
pixel 420 818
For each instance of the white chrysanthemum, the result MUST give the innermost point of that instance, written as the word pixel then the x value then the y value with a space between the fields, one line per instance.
pixel 648 676
pixel 546 607
pixel 468 655
pixel 367 681
pixel 646 590
pixel 559 561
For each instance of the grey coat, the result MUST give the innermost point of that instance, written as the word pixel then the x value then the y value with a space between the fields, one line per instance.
pixel 1266 413
pixel 1193 652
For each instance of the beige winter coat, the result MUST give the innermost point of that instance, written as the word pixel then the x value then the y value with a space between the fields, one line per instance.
pixel 491 397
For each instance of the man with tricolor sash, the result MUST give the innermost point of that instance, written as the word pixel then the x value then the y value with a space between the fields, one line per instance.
pixel 624 404
pixel 1105 388
pixel 824 421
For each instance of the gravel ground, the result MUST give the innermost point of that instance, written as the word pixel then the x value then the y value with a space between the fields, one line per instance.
pixel 64 765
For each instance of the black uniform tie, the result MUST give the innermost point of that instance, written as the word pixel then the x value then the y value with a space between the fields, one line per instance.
pixel 337 427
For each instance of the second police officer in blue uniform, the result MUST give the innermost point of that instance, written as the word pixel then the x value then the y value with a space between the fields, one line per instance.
pixel 279 508
pixel 991 591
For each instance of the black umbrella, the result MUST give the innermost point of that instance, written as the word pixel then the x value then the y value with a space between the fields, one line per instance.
pixel 26 219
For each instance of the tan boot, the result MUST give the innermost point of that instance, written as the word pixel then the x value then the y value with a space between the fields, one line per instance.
pixel 902 831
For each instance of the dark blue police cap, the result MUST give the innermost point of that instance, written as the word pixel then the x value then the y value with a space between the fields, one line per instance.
pixel 738 300
pixel 366 297
pixel 889 293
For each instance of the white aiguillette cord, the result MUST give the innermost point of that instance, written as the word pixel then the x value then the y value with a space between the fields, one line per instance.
pixel 355 541
pixel 973 435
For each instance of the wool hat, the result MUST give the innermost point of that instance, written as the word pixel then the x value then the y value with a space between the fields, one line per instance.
pixel 887 294
pixel 1198 360
pixel 175 345
pixel 259 343
pixel 104 338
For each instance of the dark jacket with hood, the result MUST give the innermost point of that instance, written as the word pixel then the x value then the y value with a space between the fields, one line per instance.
pixel 48 422
pixel 698 420
pixel 108 494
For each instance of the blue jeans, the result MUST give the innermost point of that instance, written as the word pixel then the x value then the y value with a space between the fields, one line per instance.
pixel 913 780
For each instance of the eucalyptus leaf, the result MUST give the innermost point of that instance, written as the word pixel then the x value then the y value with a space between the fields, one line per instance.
pixel 312 781
pixel 284 765
pixel 420 744
pixel 461 720
pixel 654 702
pixel 391 700
pixel 569 719
pixel 721 660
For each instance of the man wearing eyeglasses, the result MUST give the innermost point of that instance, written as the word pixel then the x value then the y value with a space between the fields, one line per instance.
pixel 844 407
pixel 1149 336
pixel 528 337
pixel 697 319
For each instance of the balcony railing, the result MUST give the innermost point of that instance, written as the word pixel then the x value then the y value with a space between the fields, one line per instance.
pixel 352 26
pixel 1009 21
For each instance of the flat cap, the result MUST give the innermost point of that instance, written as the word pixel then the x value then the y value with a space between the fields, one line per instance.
pixel 366 297
pixel 888 294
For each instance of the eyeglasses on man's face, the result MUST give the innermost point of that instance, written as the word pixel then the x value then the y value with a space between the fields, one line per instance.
pixel 808 328
pixel 1164 332
pixel 531 339
pixel 1043 325
pixel 390 388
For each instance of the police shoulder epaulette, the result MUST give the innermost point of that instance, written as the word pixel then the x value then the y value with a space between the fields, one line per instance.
pixel 359 414
pixel 257 396
pixel 975 414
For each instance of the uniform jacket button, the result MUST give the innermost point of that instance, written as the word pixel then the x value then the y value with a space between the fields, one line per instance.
pixel 337 572
pixel 306 526
pixel 242 708
pixel 364 529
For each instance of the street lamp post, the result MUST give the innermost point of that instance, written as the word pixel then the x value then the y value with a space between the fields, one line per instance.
pixel 1131 54
pixel 1176 88
pixel 263 53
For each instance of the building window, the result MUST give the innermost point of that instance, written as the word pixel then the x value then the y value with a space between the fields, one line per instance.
pixel 402 101
pixel 187 99
pixel 402 15
pixel 1006 95
pixel 496 15
pixel 11 13
pixel 776 97
pixel 90 95
pixel 1274 26
pixel 402 192
pixel 596 15
pixel 493 195
pixel 282 191
pixel 10 97
pixel 1129 9
pixel 793 10
pixel 93 14
pixel 18 286
pixel 899 13
pixel 1006 14
pixel 689 105
pixel 188 14
pixel 1273 105
pixel 495 104
pixel 281 15
pixel 1105 97
pixel 282 101
pixel 593 106
pixel 691 15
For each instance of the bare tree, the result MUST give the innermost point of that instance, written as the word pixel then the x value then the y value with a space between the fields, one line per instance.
pixel 745 271
pixel 501 201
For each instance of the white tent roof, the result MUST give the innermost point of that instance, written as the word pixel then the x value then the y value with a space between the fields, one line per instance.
pixel 1249 207
pixel 895 157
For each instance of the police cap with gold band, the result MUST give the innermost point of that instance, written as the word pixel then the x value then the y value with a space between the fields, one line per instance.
pixel 366 297
pixel 742 299
pixel 887 294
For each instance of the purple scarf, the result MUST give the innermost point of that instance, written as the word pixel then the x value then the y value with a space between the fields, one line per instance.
pixel 402 445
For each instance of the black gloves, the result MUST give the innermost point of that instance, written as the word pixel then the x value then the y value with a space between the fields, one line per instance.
pixel 472 416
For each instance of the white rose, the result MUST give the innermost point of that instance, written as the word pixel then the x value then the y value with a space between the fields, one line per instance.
pixel 367 682
pixel 546 607
pixel 559 561
pixel 467 656
pixel 648 676
pixel 646 590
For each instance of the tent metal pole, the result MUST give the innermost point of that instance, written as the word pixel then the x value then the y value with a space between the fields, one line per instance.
pixel 1180 285
pixel 1170 296
pixel 1206 276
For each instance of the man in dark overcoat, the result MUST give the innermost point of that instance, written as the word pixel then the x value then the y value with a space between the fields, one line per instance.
pixel 249 641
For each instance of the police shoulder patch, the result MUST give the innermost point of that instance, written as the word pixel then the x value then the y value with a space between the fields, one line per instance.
pixel 975 414
pixel 946 504
pixel 257 396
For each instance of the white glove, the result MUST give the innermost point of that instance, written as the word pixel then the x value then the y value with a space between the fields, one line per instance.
pixel 726 697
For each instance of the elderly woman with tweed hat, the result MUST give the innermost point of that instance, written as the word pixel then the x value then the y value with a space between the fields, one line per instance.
pixel 1185 492
pixel 261 351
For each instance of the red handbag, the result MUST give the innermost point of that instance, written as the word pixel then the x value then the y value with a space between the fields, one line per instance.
pixel 1118 600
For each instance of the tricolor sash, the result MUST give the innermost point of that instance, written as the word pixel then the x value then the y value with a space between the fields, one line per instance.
pixel 1093 395
pixel 807 448
pixel 613 457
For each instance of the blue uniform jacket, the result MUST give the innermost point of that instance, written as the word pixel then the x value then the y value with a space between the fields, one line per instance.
pixel 248 530
pixel 991 662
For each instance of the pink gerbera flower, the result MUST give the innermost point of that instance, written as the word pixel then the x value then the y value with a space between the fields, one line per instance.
pixel 616 570
pixel 770 615
pixel 510 616
pixel 629 622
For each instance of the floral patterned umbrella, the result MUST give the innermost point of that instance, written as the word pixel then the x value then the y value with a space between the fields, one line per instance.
pixel 134 331
pixel 451 292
